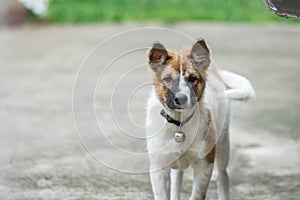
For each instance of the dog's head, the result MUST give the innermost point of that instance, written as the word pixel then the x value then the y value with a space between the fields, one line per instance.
pixel 179 78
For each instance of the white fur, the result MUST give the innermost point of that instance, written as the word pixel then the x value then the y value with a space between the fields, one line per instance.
pixel 165 154
pixel 239 88
pixel 184 88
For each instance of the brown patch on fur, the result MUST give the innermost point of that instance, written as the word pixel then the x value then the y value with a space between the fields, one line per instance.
pixel 170 68
pixel 157 55
pixel 199 85
pixel 203 195
pixel 210 139
pixel 210 157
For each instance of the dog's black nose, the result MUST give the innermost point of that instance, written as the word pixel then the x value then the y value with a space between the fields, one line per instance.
pixel 180 99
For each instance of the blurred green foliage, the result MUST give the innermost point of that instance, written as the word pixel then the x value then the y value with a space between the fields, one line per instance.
pixel 82 11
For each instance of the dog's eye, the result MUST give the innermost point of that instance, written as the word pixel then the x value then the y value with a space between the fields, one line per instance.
pixel 168 79
pixel 192 79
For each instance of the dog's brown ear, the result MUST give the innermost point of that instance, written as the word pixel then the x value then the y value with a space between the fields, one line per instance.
pixel 157 55
pixel 200 55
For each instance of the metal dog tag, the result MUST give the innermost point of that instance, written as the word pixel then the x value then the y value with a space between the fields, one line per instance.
pixel 179 136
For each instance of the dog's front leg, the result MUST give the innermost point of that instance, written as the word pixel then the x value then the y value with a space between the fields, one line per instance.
pixel 176 181
pixel 160 181
pixel 202 174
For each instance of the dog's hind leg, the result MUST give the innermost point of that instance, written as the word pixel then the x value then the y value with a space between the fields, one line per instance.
pixel 176 180
pixel 222 159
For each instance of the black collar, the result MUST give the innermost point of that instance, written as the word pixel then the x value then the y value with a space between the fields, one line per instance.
pixel 173 121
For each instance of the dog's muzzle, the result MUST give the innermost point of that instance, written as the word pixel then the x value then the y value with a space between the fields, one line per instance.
pixel 180 99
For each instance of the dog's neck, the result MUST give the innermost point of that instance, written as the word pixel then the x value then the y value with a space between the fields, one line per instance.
pixel 180 115
pixel 171 120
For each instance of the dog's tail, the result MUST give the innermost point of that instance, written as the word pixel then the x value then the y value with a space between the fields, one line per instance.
pixel 238 87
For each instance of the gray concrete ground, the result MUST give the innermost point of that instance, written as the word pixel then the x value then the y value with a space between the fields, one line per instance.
pixel 41 156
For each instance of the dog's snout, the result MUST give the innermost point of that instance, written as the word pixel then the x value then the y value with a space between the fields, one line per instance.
pixel 180 99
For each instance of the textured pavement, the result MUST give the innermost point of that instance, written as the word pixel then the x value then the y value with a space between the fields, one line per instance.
pixel 42 157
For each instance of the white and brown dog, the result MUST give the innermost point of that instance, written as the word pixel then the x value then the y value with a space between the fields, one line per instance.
pixel 188 118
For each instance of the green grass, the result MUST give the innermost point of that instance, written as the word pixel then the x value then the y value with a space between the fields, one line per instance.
pixel 83 11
